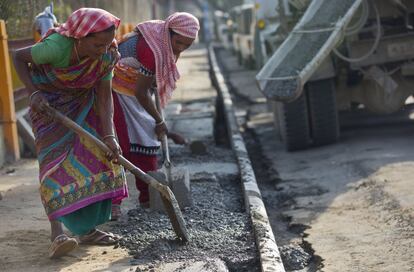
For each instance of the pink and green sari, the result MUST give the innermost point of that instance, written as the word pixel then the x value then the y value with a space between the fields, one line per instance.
pixel 77 182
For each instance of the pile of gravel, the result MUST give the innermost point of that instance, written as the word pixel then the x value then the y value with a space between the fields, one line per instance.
pixel 218 226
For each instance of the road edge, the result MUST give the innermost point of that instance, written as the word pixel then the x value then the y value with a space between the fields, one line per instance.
pixel 270 259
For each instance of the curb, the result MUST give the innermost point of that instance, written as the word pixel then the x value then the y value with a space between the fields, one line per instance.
pixel 269 255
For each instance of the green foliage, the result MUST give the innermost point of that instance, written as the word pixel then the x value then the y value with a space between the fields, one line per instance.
pixel 19 14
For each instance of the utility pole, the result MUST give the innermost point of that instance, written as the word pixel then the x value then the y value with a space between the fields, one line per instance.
pixel 154 9
pixel 283 17
pixel 171 6
pixel 126 12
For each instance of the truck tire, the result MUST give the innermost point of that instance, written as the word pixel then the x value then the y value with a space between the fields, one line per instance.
pixel 323 114
pixel 293 123
pixel 250 63
pixel 239 59
pixel 274 106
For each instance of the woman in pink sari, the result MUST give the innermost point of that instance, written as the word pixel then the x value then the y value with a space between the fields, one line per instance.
pixel 70 69
pixel 148 58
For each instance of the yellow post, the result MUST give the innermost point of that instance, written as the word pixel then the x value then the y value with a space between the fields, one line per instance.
pixel 8 115
pixel 122 30
pixel 36 36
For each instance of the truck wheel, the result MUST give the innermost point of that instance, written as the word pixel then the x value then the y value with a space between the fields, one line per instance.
pixel 323 114
pixel 250 63
pixel 293 123
pixel 239 58
pixel 275 108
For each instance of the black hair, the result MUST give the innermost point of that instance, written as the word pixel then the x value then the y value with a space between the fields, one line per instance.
pixel 109 29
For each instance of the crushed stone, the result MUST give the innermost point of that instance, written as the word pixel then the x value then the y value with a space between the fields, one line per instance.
pixel 217 223
pixel 294 257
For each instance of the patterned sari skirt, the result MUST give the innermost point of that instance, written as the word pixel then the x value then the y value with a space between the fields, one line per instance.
pixel 77 182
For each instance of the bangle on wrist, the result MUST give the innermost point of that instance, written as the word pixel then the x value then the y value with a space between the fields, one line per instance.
pixel 159 123
pixel 108 136
pixel 32 94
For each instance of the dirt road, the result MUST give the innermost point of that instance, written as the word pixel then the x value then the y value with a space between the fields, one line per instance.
pixel 25 232
pixel 344 207
pixel 223 240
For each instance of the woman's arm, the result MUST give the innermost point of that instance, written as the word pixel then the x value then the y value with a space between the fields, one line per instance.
pixel 177 138
pixel 22 58
pixel 105 109
pixel 143 94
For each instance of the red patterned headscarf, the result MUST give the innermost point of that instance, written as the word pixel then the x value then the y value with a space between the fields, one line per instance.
pixel 157 35
pixel 85 21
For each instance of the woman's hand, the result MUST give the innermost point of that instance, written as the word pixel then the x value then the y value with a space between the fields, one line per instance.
pixel 161 130
pixel 177 138
pixel 38 103
pixel 113 145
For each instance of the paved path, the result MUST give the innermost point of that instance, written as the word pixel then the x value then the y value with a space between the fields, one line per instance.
pixel 350 205
pixel 24 230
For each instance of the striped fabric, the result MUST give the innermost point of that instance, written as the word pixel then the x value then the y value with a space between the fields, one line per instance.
pixel 73 172
pixel 129 67
pixel 85 21
pixel 128 49
pixel 157 35
pixel 86 73
pixel 140 132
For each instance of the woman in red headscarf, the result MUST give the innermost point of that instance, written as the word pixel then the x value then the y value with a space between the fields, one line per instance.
pixel 71 69
pixel 148 58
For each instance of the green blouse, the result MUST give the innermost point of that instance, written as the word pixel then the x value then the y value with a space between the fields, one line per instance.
pixel 56 50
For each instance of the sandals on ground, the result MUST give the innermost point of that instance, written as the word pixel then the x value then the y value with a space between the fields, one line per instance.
pixel 99 237
pixel 61 246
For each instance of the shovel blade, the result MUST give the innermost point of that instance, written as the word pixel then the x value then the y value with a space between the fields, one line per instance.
pixel 170 205
pixel 174 213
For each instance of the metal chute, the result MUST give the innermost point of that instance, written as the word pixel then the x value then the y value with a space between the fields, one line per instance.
pixel 314 37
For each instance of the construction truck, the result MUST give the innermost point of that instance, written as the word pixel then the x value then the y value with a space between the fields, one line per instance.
pixel 245 34
pixel 242 17
pixel 222 29
pixel 273 20
pixel 256 36
pixel 259 30
pixel 234 14
pixel 339 56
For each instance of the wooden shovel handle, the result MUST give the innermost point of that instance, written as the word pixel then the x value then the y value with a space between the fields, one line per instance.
pixel 170 202
pixel 122 161
pixel 164 140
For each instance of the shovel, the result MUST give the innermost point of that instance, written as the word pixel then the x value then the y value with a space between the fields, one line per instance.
pixel 178 179
pixel 170 203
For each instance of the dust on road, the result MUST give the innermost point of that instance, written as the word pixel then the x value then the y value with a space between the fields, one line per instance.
pixel 350 206
pixel 218 225
pixel 25 231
